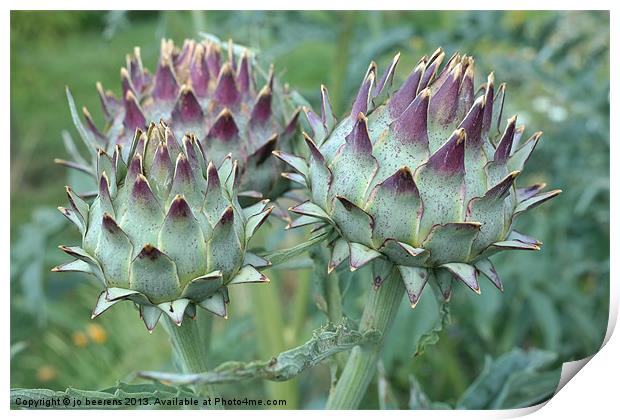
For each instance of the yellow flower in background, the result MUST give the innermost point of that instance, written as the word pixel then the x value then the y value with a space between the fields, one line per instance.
pixel 46 373
pixel 97 333
pixel 80 339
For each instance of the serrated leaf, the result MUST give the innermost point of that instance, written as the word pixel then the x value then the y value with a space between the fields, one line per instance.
pixel 326 341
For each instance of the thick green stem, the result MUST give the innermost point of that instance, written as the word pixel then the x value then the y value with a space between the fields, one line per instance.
pixel 205 326
pixel 189 350
pixel 334 299
pixel 379 313
pixel 329 284
pixel 334 310
pixel 269 330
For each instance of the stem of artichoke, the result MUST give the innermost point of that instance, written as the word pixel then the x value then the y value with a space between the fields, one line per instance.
pixel 189 349
pixel 270 333
pixel 333 296
pixel 379 313
pixel 205 326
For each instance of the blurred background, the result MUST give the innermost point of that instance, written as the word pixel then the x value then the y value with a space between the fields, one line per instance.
pixel 498 351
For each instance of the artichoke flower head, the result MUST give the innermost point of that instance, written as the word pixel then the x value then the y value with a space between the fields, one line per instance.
pixel 421 177
pixel 197 89
pixel 165 230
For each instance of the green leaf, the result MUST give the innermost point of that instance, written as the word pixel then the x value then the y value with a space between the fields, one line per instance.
pixel 525 389
pixel 431 337
pixel 496 385
pixel 327 341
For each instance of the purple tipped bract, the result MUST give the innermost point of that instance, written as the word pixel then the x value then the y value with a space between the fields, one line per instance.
pixel 210 93
pixel 224 127
pixel 226 92
pixel 358 138
pixel 450 158
pixel 415 177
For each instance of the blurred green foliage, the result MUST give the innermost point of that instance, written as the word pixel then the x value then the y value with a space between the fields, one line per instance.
pixel 556 65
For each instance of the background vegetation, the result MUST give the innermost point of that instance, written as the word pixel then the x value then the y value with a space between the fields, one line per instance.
pixel 498 351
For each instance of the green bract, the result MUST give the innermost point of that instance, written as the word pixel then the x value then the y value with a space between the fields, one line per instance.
pixel 194 90
pixel 165 231
pixel 419 176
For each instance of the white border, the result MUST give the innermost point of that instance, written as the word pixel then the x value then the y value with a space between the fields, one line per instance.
pixel 594 393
